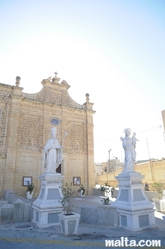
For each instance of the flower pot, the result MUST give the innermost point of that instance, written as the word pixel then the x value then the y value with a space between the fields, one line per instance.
pixel 29 195
pixel 69 223
pixel 160 205
pixel 82 193
pixel 107 192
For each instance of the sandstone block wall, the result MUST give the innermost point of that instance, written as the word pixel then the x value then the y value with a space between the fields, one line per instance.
pixel 25 124
pixel 153 171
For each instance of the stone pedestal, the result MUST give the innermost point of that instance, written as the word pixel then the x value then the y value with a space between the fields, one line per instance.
pixel 47 206
pixel 135 210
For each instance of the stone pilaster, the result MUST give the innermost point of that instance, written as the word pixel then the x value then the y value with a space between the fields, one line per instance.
pixel 89 144
pixel 12 139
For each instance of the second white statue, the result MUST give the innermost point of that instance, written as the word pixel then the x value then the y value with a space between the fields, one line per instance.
pixel 129 145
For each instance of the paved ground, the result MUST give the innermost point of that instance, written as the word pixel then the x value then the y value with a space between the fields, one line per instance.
pixel 27 235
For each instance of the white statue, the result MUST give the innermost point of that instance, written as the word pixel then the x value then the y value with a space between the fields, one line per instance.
pixel 129 145
pixel 52 157
pixel 134 139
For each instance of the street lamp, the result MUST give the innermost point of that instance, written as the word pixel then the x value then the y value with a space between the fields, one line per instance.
pixel 148 149
pixel 109 158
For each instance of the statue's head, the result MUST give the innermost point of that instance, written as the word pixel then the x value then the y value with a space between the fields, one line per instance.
pixel 54 131
pixel 127 131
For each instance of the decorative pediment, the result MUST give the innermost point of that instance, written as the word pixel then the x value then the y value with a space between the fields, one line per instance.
pixel 55 82
pixel 56 93
pixel 46 81
pixel 65 84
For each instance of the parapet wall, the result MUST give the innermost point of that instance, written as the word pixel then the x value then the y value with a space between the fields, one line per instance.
pixel 15 208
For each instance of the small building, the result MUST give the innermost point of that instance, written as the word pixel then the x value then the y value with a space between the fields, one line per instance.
pixel 25 124
pixel 112 165
pixel 98 170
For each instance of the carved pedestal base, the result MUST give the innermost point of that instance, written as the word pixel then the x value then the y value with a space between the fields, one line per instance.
pixel 135 210
pixel 47 206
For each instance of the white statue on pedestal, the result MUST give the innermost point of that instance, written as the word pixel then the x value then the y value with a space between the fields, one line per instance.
pixel 129 145
pixel 48 202
pixel 52 157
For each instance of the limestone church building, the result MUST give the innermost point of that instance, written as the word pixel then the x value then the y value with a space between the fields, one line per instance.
pixel 25 126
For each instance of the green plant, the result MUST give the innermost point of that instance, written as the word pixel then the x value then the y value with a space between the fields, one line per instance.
pixel 102 189
pixel 106 184
pixel 105 200
pixel 30 188
pixel 158 187
pixel 81 188
pixel 67 198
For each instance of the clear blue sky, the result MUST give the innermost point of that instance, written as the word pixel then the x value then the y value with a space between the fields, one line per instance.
pixel 112 49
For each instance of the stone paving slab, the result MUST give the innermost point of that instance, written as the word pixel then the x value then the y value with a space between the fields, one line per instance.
pixel 20 235
pixel 88 235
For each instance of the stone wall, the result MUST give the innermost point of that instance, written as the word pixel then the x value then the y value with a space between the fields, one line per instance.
pixel 25 124
pixel 154 171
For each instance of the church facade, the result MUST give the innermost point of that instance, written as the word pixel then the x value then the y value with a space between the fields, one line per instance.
pixel 25 126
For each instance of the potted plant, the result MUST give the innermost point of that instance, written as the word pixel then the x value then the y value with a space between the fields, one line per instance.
pixel 104 189
pixel 69 220
pixel 29 192
pixel 81 190
pixel 159 201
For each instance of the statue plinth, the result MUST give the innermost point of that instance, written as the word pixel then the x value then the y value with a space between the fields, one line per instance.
pixel 135 210
pixel 47 206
